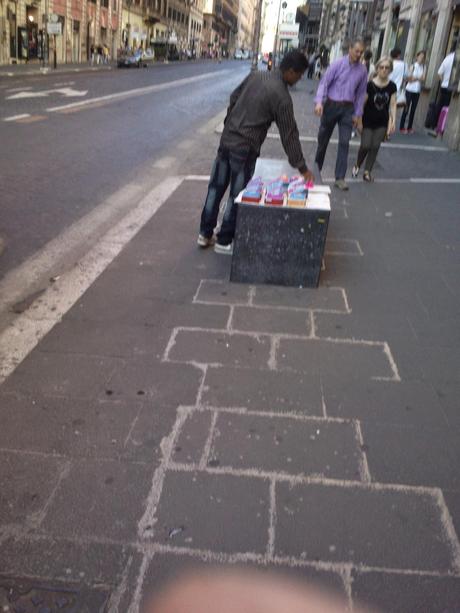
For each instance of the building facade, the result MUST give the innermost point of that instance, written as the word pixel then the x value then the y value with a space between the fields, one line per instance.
pixel 220 27
pixel 246 22
pixel 308 17
pixel 23 29
pixel 118 24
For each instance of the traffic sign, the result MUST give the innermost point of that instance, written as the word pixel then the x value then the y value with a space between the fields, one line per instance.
pixel 54 28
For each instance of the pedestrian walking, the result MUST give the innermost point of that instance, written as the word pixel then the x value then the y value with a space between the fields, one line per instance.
pixel 367 61
pixel 311 66
pixel 263 97
pixel 318 68
pixel 415 79
pixel 270 61
pixel 339 101
pixel 100 52
pixel 106 54
pixel 398 76
pixel 93 54
pixel 444 72
pixel 378 117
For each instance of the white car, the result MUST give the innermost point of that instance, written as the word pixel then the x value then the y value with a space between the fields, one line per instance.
pixel 238 54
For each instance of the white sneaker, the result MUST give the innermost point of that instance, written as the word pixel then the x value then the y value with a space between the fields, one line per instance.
pixel 203 241
pixel 225 249
pixel 355 171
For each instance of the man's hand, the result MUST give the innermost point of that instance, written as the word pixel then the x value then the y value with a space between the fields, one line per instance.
pixel 319 109
pixel 357 123
pixel 308 176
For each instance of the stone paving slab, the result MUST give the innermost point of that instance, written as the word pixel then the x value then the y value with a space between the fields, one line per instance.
pixel 159 383
pixel 448 394
pixel 222 292
pixel 79 562
pixel 114 492
pixel 323 522
pixel 221 513
pixel 210 347
pixel 327 358
pixel 25 498
pixel 98 338
pixel 151 313
pixel 192 439
pixel 83 428
pixel 166 567
pixel 271 321
pixel 21 595
pixel 405 455
pixel 263 390
pixel 320 298
pixel 397 402
pixel 453 504
pixel 286 445
pixel 359 325
pixel 441 331
pixel 395 593
pixel 53 374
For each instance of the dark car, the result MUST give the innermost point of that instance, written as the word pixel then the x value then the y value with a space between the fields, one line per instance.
pixel 130 58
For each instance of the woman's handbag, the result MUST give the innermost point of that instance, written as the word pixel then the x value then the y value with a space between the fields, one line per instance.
pixel 401 97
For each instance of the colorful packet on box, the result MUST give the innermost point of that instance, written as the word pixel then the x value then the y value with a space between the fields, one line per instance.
pixel 253 191
pixel 275 196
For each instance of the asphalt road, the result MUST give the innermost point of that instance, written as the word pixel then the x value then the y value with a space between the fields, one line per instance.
pixel 57 165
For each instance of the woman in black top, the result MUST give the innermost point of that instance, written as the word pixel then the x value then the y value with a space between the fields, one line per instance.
pixel 378 117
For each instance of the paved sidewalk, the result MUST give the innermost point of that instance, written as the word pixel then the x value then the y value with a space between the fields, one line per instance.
pixel 35 68
pixel 175 419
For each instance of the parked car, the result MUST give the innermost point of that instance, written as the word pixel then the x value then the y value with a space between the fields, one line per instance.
pixel 148 57
pixel 136 58
pixel 129 59
pixel 238 54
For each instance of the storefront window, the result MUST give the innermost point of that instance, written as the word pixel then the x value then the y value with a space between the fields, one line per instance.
pixel 426 32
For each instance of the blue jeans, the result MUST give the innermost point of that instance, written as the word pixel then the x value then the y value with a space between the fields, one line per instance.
pixel 234 168
pixel 333 114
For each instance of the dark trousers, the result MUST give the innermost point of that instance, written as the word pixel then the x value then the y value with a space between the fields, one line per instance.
pixel 371 139
pixel 411 105
pixel 234 168
pixel 341 114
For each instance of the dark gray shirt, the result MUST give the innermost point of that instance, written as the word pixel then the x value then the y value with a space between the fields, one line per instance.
pixel 262 98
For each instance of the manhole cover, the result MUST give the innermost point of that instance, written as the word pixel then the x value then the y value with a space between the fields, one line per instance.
pixel 35 596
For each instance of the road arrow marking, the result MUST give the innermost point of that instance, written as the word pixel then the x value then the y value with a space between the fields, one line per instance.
pixel 67 92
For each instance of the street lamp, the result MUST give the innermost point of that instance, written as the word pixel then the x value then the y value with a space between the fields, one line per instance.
pixel 281 5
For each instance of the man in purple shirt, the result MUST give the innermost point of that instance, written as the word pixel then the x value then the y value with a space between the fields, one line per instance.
pixel 340 100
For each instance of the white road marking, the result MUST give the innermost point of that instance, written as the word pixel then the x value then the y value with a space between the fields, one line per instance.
pixel 26 330
pixel 141 91
pixel 68 92
pixel 334 141
pixel 19 89
pixel 20 282
pixel 165 162
pixel 16 117
pixel 434 180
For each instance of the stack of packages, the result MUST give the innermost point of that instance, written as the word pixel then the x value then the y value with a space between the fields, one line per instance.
pixel 297 192
pixel 276 190
pixel 280 192
pixel 253 191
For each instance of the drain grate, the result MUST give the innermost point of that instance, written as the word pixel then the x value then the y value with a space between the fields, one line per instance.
pixel 18 595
